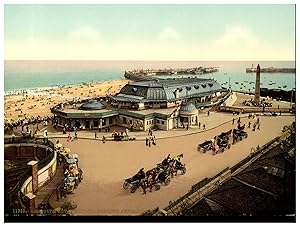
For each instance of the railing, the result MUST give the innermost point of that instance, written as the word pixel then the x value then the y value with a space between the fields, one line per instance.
pixel 42 163
pixel 251 156
pixel 15 194
pixel 33 140
pixel 246 109
pixel 195 188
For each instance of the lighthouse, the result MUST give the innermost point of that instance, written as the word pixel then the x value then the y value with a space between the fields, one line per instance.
pixel 257 85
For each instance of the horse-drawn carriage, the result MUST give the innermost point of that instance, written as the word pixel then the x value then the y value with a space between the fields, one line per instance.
pixel 239 135
pixel 205 146
pixel 223 140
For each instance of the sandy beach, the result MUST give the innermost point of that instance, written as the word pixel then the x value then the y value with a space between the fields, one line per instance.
pixel 39 104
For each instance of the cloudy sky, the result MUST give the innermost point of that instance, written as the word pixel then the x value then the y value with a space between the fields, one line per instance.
pixel 149 32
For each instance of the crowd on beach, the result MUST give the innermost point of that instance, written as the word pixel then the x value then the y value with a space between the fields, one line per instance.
pixel 25 122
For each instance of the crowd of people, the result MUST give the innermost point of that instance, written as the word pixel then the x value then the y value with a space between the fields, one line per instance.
pixel 25 123
pixel 72 173
pixel 262 103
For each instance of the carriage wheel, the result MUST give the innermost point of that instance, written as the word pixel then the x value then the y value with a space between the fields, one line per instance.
pixel 167 181
pixel 125 185
pixel 157 187
pixel 183 171
pixel 133 189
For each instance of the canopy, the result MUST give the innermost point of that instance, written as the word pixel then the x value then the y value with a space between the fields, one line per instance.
pixel 71 160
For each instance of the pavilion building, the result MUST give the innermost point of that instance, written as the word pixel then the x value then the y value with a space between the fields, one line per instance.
pixel 161 104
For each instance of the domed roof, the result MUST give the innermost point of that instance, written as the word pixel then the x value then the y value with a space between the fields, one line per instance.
pixel 188 108
pixel 92 105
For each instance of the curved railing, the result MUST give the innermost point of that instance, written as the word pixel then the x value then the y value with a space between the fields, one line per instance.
pixel 16 196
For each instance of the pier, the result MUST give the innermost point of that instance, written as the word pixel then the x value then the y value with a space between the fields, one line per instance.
pixel 272 70
pixel 150 74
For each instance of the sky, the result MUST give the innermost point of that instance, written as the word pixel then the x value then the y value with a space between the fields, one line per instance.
pixel 150 32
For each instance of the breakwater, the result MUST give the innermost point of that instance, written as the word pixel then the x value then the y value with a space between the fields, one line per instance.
pixel 272 70
pixel 150 74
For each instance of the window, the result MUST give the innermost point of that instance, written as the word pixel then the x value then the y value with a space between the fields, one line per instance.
pixel 147 122
pixel 162 122
pixel 124 120
pixel 130 121
pixel 110 120
pixel 157 121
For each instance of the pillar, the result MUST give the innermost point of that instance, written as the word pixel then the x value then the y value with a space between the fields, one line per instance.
pixel 257 85
pixel 34 174
pixel 31 198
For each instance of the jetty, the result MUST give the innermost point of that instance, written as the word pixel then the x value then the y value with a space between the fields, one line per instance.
pixel 150 74
pixel 271 70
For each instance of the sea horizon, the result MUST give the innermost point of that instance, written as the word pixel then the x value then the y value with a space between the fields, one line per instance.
pixel 27 75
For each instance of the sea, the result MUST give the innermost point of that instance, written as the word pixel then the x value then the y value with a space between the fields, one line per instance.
pixel 36 75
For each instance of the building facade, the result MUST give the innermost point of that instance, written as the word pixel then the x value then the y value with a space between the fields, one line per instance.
pixel 160 104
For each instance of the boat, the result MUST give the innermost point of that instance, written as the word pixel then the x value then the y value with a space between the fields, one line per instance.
pixel 236 82
pixel 284 86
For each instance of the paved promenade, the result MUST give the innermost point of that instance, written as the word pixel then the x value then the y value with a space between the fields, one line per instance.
pixel 215 119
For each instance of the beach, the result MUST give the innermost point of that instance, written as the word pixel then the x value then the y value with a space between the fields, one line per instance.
pixel 40 102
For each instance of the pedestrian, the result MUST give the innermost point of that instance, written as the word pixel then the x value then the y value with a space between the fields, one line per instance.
pixel 146 141
pixel 199 125
pixel 149 131
pixel 75 134
pixel 239 120
pixel 249 124
pixel 103 139
pixel 279 114
pixel 153 141
pixel 203 126
pixel 208 113
pixel 37 127
pixel 254 126
pixel 233 121
pixel 149 143
pixel 95 135
pixel 27 128
pixel 187 126
pixel 23 125
pixel 258 126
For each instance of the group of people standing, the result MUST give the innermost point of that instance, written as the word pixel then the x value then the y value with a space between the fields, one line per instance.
pixel 256 123
pixel 150 140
